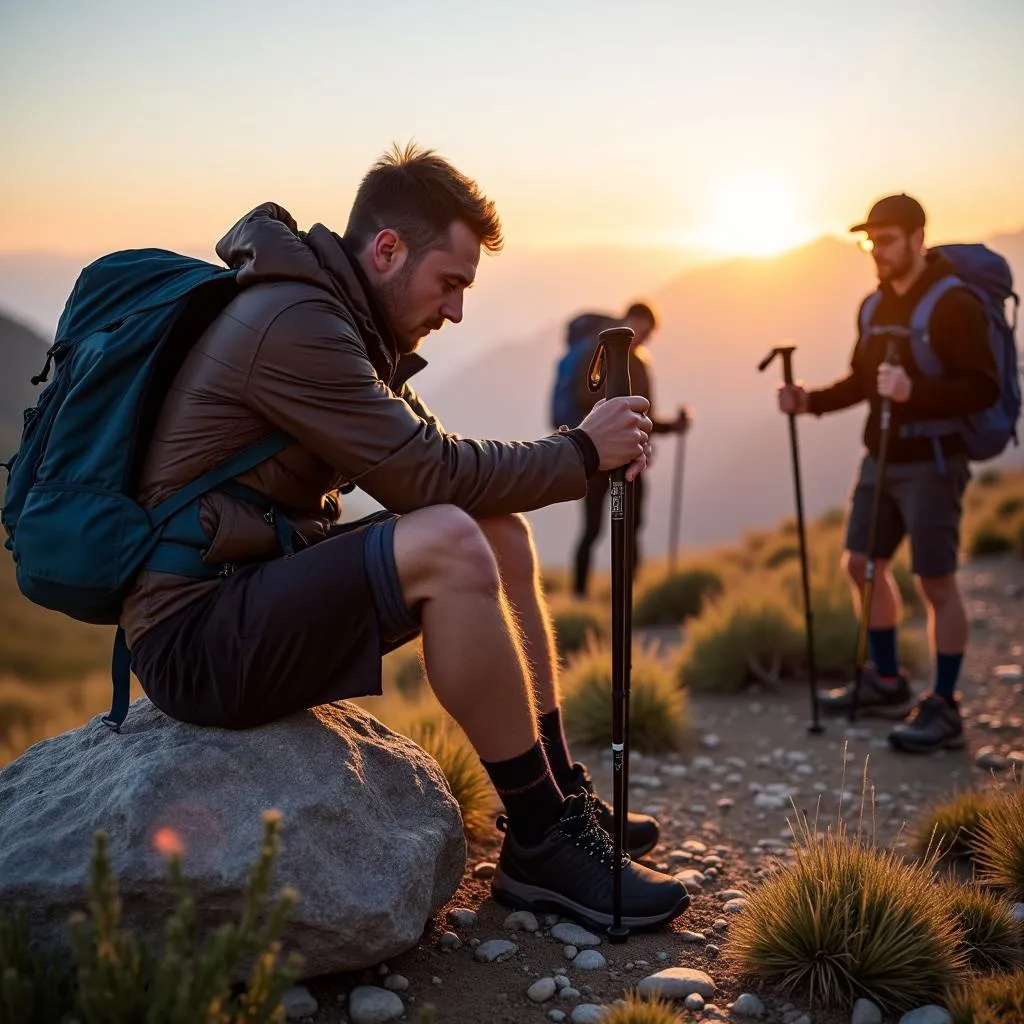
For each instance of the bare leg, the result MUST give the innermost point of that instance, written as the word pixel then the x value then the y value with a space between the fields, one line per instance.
pixel 471 644
pixel 512 543
pixel 886 604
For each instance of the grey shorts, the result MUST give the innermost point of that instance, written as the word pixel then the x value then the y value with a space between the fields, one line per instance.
pixel 282 636
pixel 918 500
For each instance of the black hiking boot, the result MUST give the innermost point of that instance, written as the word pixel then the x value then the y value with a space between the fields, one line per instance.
pixel 642 831
pixel 570 872
pixel 934 724
pixel 877 699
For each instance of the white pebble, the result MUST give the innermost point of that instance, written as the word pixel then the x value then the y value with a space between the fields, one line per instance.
pixel 542 990
pixel 461 918
pixel 589 960
pixel 396 983
pixel 574 935
pixel 371 1005
pixel 748 1005
pixel 495 951
pixel 694 1002
pixel 299 1002
pixel 588 1013
pixel 521 921
pixel 866 1012
pixel 927 1015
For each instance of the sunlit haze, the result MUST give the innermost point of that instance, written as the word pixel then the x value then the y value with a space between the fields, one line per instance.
pixel 734 128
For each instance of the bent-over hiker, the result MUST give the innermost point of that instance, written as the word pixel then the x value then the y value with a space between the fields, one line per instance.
pixel 321 343
pixel 927 471
pixel 572 399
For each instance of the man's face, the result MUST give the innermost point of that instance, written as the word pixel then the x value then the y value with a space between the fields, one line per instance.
pixel 641 327
pixel 418 297
pixel 893 250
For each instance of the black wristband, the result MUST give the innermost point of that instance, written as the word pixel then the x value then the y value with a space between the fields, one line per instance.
pixel 587 449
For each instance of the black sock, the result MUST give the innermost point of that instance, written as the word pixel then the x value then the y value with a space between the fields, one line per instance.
pixel 552 733
pixel 529 792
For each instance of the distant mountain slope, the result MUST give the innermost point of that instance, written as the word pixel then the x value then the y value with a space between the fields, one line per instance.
pixel 22 354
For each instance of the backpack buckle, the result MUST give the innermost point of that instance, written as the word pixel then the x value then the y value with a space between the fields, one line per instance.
pixel 227 569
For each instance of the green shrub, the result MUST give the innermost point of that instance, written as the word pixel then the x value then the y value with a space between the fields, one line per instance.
pixel 659 718
pixel 989 478
pixel 469 783
pixel 847 920
pixel 989 539
pixel 1000 843
pixel 576 625
pixel 832 519
pixel 410 674
pixel 995 1000
pixel 636 1010
pixel 111 978
pixel 989 935
pixel 751 635
pixel 677 597
pixel 951 827
pixel 1009 506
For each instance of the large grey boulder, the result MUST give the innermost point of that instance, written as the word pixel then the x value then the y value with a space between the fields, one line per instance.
pixel 371 836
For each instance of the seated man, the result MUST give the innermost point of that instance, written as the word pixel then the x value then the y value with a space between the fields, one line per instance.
pixel 320 343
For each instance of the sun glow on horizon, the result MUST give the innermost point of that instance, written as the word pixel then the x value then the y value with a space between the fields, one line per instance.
pixel 754 215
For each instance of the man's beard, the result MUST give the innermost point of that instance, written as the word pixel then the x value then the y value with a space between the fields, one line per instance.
pixel 894 270
pixel 392 297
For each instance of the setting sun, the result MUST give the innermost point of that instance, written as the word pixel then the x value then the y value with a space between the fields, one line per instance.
pixel 755 216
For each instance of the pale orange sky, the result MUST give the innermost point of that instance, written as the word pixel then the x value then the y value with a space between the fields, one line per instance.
pixel 743 129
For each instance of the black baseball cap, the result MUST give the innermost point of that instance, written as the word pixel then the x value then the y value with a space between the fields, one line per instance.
pixel 901 211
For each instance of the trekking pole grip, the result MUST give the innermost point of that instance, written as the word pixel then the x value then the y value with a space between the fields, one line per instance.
pixel 616 342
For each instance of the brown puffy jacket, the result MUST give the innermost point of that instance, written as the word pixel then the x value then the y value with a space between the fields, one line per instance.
pixel 304 349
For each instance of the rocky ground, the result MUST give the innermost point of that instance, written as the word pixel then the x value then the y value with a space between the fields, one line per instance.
pixel 724 811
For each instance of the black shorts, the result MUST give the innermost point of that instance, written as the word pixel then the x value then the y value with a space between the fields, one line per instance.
pixel 919 500
pixel 284 635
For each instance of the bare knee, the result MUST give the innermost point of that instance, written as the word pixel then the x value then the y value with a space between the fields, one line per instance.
pixel 938 590
pixel 442 548
pixel 855 566
pixel 511 540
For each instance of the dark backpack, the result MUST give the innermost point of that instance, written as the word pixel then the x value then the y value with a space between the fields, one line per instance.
pixel 581 340
pixel 75 531
pixel 988 276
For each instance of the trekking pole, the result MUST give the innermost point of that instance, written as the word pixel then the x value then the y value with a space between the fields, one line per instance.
pixel 615 344
pixel 868 590
pixel 677 501
pixel 786 352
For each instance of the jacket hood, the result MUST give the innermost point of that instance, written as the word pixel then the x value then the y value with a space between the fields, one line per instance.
pixel 267 245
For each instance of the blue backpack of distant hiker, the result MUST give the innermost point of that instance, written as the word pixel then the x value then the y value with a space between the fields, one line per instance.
pixel 581 340
pixel 76 533
pixel 987 274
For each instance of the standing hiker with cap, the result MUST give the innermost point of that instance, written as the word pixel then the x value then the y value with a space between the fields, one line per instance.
pixel 572 400
pixel 927 471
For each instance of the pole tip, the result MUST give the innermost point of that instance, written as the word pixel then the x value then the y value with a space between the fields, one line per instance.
pixel 617 935
pixel 816 728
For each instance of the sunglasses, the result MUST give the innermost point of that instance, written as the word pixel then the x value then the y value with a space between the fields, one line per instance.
pixel 879 242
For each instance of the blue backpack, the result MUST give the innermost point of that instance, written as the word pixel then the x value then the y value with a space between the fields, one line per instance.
pixel 988 276
pixel 581 340
pixel 75 531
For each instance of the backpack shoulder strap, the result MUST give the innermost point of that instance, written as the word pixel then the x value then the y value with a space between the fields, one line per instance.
pixel 867 312
pixel 920 319
pixel 241 462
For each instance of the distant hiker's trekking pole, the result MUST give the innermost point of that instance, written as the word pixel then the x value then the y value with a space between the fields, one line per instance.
pixel 675 510
pixel 868 590
pixel 786 351
pixel 614 344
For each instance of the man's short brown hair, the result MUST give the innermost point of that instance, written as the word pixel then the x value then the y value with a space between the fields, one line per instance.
pixel 642 311
pixel 420 195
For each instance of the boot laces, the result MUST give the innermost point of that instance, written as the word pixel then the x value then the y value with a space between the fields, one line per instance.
pixel 579 823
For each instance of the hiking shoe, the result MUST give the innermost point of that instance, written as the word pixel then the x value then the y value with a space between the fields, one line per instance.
pixel 642 831
pixel 934 724
pixel 570 872
pixel 877 699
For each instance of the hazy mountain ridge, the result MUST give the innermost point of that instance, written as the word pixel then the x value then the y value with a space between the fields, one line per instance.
pixel 718 321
